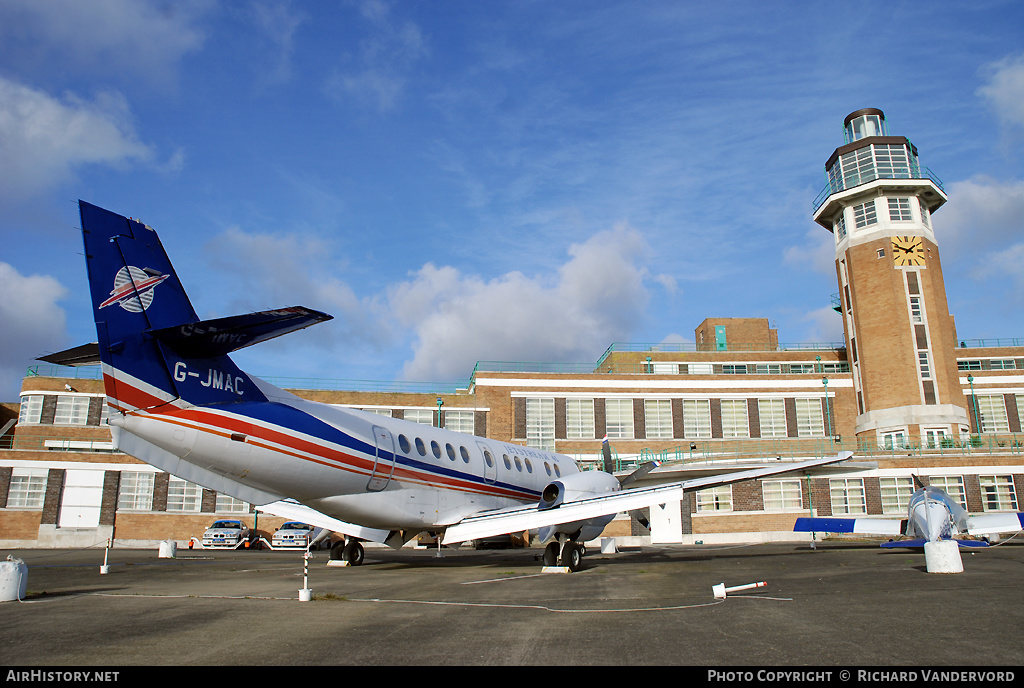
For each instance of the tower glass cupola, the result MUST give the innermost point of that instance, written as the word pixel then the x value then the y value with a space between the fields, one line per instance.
pixel 863 123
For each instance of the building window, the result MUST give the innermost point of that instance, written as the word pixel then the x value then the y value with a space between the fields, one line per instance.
pixel 31 409
pixel 136 491
pixel 459 421
pixel 894 439
pixel 839 226
pixel 226 504
pixel 579 419
pixel 715 498
pixel 28 488
pixel 71 411
pixel 697 417
pixel 968 365
pixel 935 438
pixel 993 413
pixel 781 495
pixel 699 368
pixel 734 418
pixel 899 210
pixel 916 314
pixel 378 411
pixel 658 419
pixel 421 416
pixel 896 493
pixel 734 369
pixel 923 364
pixel 768 368
pixel 953 485
pixel 540 424
pixel 1002 364
pixel 809 419
pixel 847 496
pixel 619 418
pixel 997 493
pixel 864 214
pixel 772 416
pixel 183 495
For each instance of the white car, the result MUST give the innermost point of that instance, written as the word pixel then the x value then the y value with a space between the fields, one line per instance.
pixel 227 533
pixel 293 534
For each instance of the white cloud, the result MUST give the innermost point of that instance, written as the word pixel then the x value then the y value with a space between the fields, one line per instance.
pixel 44 139
pixel 1005 89
pixel 817 252
pixel 33 324
pixel 597 296
pixel 144 39
pixel 824 325
pixel 982 214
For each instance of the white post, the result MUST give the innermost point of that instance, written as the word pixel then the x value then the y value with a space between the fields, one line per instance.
pixel 105 568
pixel 305 595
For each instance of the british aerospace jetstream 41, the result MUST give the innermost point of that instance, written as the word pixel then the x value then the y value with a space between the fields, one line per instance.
pixel 180 403
pixel 932 516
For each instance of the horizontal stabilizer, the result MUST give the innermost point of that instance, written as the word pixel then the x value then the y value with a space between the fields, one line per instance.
pixel 893 544
pixel 864 526
pixel 86 354
pixel 987 524
pixel 292 510
pixel 209 338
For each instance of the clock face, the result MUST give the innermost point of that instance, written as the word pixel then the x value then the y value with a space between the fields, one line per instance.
pixel 907 250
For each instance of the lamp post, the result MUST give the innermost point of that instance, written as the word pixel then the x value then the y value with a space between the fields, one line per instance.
pixel 440 403
pixel 828 415
pixel 974 403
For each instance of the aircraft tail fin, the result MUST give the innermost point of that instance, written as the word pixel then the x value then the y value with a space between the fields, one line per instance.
pixel 152 346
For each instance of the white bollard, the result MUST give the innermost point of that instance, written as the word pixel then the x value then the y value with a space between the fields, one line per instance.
pixel 305 594
pixel 943 556
pixel 608 546
pixel 104 568
pixel 13 579
pixel 168 549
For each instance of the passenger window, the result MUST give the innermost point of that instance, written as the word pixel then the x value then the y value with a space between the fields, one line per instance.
pixel 403 442
pixel 451 451
pixel 529 466
pixel 547 468
pixel 508 464
pixel 519 465
pixel 489 459
pixel 558 471
pixel 465 454
pixel 435 448
pixel 420 447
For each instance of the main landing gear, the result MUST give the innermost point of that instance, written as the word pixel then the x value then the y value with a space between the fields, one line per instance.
pixel 349 551
pixel 567 553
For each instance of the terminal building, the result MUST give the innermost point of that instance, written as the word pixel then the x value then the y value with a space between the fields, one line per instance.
pixel 903 392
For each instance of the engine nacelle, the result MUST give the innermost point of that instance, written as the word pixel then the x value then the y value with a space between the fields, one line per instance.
pixel 577 486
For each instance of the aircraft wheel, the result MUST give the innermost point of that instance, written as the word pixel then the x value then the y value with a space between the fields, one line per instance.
pixel 353 554
pixel 572 556
pixel 551 554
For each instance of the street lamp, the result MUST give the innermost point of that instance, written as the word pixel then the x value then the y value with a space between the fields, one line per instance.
pixel 440 402
pixel 828 415
pixel 974 402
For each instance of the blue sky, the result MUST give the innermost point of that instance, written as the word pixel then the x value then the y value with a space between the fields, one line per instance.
pixel 458 181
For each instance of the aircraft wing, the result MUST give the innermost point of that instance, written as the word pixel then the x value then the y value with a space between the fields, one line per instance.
pixel 293 511
pixel 864 526
pixel 530 517
pixel 986 524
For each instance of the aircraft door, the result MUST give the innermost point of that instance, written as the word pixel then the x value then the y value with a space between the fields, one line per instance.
pixel 490 463
pixel 384 462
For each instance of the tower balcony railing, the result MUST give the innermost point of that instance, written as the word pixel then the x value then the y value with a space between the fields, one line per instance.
pixel 870 175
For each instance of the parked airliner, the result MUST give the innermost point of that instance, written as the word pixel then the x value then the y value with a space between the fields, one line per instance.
pixel 180 403
pixel 932 516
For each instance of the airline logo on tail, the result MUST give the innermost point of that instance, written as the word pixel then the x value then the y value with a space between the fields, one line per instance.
pixel 133 288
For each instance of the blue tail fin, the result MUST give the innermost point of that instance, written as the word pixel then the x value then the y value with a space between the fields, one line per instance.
pixel 135 292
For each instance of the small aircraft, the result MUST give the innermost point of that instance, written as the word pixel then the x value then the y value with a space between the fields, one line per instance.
pixel 932 516
pixel 178 402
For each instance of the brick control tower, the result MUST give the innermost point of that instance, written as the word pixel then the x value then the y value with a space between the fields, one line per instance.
pixel 900 337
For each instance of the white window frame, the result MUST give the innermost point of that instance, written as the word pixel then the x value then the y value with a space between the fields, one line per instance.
pixel 863 215
pixel 718 498
pixel 658 419
pixel 183 496
pixel 226 504
pixel 31 411
pixel 460 421
pixel 810 421
pixel 71 410
pixel 697 418
pixel 579 419
pixel 135 492
pixel 782 495
pixel 953 485
pixel 847 496
pixel 896 493
pixel 540 423
pixel 734 418
pixel 899 209
pixel 997 493
pixel 992 409
pixel 28 488
pixel 618 415
pixel 420 415
pixel 772 417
